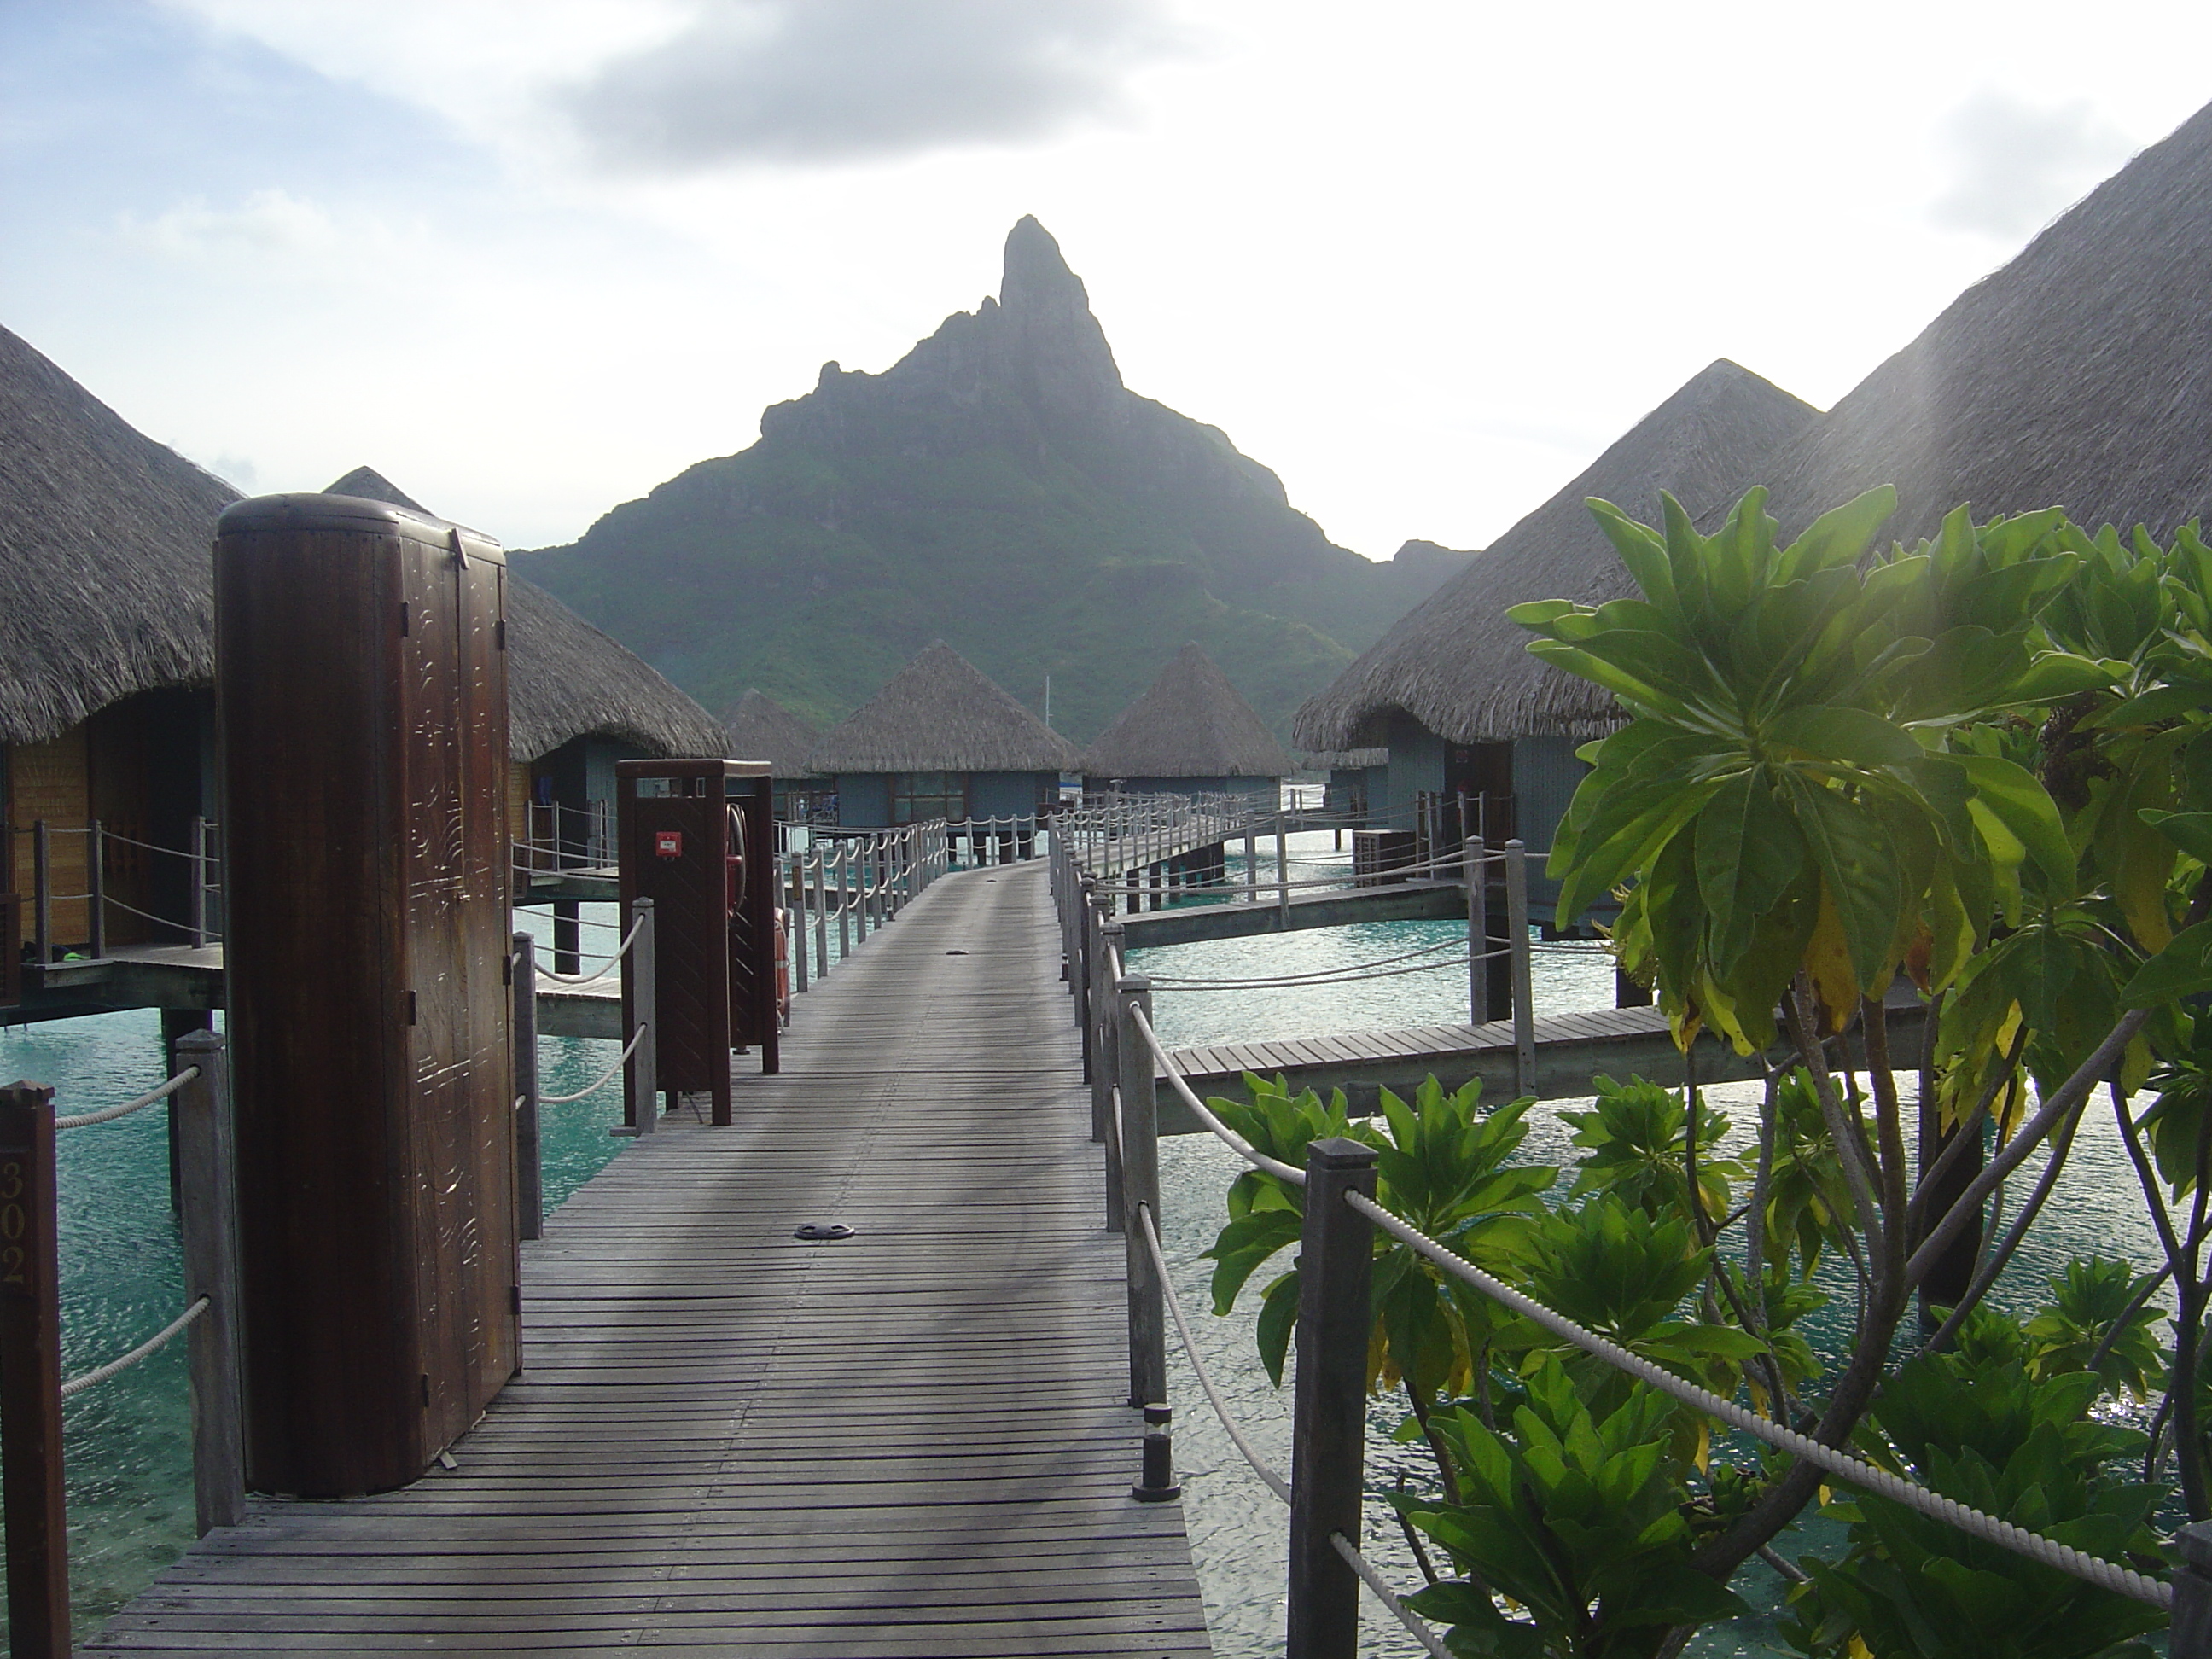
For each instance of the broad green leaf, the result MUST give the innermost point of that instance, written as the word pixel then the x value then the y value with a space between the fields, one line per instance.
pixel 1860 873
pixel 1853 736
pixel 2013 795
pixel 2181 970
pixel 2191 831
pixel 1748 852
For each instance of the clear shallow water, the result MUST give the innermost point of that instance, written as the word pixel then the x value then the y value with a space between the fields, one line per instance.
pixel 127 1442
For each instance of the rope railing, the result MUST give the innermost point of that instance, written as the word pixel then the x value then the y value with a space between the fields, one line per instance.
pixel 603 1077
pixel 1265 1471
pixel 2106 1574
pixel 613 962
pixel 109 1114
pixel 1418 1627
pixel 150 1346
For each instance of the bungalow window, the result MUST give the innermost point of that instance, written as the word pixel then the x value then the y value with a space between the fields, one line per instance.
pixel 918 797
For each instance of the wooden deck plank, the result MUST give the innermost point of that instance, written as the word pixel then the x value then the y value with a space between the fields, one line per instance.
pixel 908 1443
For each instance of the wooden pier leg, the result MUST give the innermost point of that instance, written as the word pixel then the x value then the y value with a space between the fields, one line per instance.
pixel 568 936
pixel 642 1074
pixel 529 1177
pixel 1477 875
pixel 176 1023
pixel 42 892
pixel 1140 1187
pixel 1336 1255
pixel 31 1491
pixel 1524 1011
pixel 95 872
pixel 210 1226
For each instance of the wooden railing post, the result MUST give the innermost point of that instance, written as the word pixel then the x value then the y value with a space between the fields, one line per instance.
pixel 1478 929
pixel 820 909
pixel 1140 1186
pixel 30 1491
pixel 2190 1634
pixel 1282 874
pixel 42 892
pixel 641 1076
pixel 95 883
pixel 1336 1256
pixel 208 1219
pixel 1103 1027
pixel 1524 1012
pixel 529 1173
pixel 198 901
pixel 795 928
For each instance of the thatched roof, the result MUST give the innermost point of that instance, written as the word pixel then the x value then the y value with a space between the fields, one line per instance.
pixel 105 586
pixel 566 679
pixel 1191 724
pixel 940 714
pixel 761 728
pixel 1342 760
pixel 2078 375
pixel 1457 665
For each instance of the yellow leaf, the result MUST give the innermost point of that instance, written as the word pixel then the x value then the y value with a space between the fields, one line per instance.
pixel 1859 1650
pixel 1703 1454
pixel 1828 960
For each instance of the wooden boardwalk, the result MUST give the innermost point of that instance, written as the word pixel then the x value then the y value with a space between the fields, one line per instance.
pixel 912 1442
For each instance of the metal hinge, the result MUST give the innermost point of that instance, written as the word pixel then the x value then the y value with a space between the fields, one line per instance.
pixel 406 617
pixel 414 1008
pixel 514 1292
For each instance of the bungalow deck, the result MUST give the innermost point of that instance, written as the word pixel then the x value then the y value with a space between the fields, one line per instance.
pixel 911 1442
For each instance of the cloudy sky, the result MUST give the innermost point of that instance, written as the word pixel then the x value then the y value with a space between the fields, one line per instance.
pixel 529 258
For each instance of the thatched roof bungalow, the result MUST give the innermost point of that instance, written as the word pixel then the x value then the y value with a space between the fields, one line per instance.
pixel 2076 375
pixel 1451 691
pixel 760 728
pixel 1189 734
pixel 107 657
pixel 941 740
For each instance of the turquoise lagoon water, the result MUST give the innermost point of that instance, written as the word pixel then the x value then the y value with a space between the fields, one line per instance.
pixel 127 1442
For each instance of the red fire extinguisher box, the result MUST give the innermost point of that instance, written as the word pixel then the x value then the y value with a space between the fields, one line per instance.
pixel 697 837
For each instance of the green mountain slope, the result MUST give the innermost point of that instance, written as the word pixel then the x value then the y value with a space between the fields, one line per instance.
pixel 999 487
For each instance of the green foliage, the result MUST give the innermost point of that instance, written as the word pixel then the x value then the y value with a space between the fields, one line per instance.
pixel 1577 1515
pixel 2090 1310
pixel 1980 1427
pixel 1632 1142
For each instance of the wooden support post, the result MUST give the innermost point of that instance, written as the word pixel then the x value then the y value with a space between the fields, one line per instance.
pixel 42 892
pixel 1251 866
pixel 529 1175
pixel 1081 958
pixel 1330 1401
pixel 1282 874
pixel 2191 1634
pixel 1524 1011
pixel 209 1222
pixel 95 883
pixel 1106 1022
pixel 1140 1187
pixel 30 1491
pixel 1336 1255
pixel 641 1076
pixel 568 936
pixel 176 1023
pixel 1478 929
pixel 197 903
pixel 794 931
pixel 821 862
pixel 844 900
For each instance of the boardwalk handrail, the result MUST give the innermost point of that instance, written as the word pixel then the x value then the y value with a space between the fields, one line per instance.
pixel 201 883
pixel 2106 1575
pixel 31 1386
pixel 1337 1256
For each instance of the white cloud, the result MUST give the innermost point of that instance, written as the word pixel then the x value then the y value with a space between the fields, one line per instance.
pixel 838 80
pixel 267 222
pixel 2016 164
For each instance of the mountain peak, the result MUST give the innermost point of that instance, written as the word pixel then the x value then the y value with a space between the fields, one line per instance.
pixel 1043 315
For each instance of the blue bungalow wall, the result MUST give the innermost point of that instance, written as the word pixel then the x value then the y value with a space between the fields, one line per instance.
pixel 1545 775
pixel 864 799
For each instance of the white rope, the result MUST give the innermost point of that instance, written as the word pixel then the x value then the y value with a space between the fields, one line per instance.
pixel 613 962
pixel 2106 1574
pixel 1418 1627
pixel 603 1077
pixel 1315 973
pixel 1303 983
pixel 94 1378
pixel 1243 1148
pixel 1261 1467
pixel 109 1114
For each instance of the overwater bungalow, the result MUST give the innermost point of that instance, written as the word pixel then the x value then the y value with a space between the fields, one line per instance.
pixel 1190 734
pixel 941 740
pixel 1470 722
pixel 761 728
pixel 107 663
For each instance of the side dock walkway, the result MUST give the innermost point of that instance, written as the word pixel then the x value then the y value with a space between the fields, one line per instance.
pixel 911 1442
